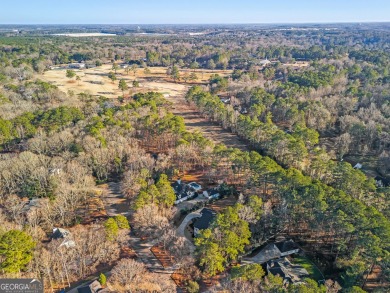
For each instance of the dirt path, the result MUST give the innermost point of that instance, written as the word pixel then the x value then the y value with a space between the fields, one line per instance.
pixel 142 249
pixel 194 121
pixel 212 131
pixel 113 199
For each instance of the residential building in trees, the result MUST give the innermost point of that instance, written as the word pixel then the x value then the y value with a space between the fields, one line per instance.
pixel 204 222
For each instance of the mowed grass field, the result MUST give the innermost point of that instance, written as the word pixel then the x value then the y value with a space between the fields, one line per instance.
pixel 96 82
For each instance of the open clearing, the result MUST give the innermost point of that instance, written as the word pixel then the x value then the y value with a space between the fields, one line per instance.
pixel 96 82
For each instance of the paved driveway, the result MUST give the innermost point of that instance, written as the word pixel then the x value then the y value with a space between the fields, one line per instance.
pixel 181 229
pixel 186 221
pixel 114 201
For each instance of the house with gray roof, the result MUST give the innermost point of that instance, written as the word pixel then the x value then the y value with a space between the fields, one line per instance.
pixel 60 233
pixel 185 191
pixel 204 221
pixel 291 273
pixel 276 250
pixel 93 287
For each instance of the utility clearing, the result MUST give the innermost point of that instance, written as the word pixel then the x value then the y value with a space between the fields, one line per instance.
pixel 95 81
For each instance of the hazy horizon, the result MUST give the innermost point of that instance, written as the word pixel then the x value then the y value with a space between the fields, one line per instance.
pixel 199 23
pixel 120 12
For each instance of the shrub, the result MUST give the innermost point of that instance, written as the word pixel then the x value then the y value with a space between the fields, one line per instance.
pixel 122 222
pixel 111 229
pixel 102 279
pixel 192 287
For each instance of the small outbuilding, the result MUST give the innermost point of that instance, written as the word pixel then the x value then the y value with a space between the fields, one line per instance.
pixel 93 287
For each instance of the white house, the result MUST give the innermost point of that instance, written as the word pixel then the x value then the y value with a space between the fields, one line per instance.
pixel 265 62
pixel 184 196
pixel 184 191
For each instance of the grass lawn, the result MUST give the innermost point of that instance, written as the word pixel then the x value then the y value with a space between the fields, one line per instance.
pixel 311 268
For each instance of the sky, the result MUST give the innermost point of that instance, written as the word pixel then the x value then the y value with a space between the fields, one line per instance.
pixel 191 11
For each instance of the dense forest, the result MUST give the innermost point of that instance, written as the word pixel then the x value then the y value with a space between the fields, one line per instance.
pixel 312 106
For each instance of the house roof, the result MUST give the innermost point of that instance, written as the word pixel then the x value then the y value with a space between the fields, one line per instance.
pixel 211 192
pixel 93 287
pixel 288 271
pixel 60 233
pixel 68 243
pixel 285 246
pixel 385 181
pixel 33 203
pixel 182 190
pixel 205 220
pixel 265 61
pixel 274 251
pixel 194 185
pixel 267 253
pixel 178 187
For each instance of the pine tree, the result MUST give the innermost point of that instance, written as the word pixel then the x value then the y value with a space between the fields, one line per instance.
pixel 122 222
pixel 175 74
pixel 102 279
pixel 16 249
pixel 111 229
pixel 166 193
pixel 123 86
